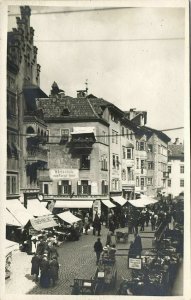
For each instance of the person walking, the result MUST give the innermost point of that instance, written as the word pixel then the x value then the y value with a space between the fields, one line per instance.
pixel 52 252
pixel 45 272
pixel 35 267
pixel 98 248
pixel 96 225
pixel 109 238
pixel 137 245
pixel 86 224
pixel 54 268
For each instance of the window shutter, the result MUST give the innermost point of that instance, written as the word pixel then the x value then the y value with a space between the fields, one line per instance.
pixel 89 189
pixel 59 189
pixel 79 188
pixel 69 182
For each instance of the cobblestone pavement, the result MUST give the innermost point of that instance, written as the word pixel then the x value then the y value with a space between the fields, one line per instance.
pixel 77 260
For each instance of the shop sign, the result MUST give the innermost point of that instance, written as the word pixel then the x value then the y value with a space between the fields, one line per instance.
pixel 135 263
pixel 59 174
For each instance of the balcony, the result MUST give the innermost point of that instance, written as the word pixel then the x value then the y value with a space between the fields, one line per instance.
pixel 35 154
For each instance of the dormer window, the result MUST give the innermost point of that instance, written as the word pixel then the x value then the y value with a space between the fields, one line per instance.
pixel 65 111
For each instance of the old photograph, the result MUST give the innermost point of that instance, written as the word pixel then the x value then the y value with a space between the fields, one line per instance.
pixel 95 177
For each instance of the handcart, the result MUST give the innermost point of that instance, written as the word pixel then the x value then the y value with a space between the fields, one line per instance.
pixel 121 236
pixel 106 273
pixel 84 287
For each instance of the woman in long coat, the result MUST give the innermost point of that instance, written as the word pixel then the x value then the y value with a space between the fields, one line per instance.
pixel 45 272
pixel 54 268
pixel 35 266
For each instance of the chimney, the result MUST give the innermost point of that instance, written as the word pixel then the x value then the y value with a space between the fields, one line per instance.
pixel 177 141
pixel 131 113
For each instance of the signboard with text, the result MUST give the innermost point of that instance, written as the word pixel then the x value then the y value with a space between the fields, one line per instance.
pixel 64 174
pixel 135 263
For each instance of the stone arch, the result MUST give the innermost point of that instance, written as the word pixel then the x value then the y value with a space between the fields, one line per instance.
pixel 30 130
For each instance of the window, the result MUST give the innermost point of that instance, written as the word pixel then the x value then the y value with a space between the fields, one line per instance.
pixel 123 174
pixel 169 169
pixel 142 182
pixel 127 133
pixel 149 181
pixel 122 131
pixel 84 187
pixel 124 152
pixel 104 187
pixel 85 162
pixel 137 181
pixel 104 162
pixel 46 189
pixel 150 165
pixel 137 145
pixel 115 184
pixel 181 169
pixel 129 153
pixel 142 164
pixel 115 161
pixel 130 175
pixel 114 136
pixel 142 146
pixel 181 182
pixel 114 118
pixel 12 182
pixel 64 135
pixel 169 182
pixel 64 187
pixel 150 148
pixel 137 163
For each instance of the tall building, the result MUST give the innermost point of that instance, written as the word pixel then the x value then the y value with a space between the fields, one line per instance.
pixel 26 129
pixel 175 181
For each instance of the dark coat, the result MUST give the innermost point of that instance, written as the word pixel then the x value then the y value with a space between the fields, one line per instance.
pixel 98 246
pixel 137 246
pixel 52 252
pixel 35 265
pixel 54 267
pixel 40 248
pixel 45 274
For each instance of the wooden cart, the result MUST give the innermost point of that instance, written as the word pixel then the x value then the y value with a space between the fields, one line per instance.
pixel 85 287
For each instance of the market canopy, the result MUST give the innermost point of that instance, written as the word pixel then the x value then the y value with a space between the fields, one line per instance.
pixel 108 203
pixel 43 222
pixel 18 211
pixel 143 201
pixel 68 217
pixel 36 208
pixel 74 204
pixel 11 220
pixel 119 199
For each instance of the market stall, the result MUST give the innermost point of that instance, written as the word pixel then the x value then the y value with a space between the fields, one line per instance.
pixel 74 229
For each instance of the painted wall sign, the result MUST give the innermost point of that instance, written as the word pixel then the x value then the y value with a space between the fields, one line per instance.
pixel 62 174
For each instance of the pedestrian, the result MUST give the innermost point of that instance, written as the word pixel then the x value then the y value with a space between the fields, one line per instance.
pixel 109 239
pixel 45 272
pixel 52 252
pixel 131 252
pixel 142 222
pixel 96 225
pixel 54 268
pixel 111 225
pixel 147 218
pixel 86 224
pixel 98 248
pixel 153 222
pixel 137 245
pixel 35 267
pixel 40 247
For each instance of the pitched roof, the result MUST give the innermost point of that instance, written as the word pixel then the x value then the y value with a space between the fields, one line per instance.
pixel 176 150
pixel 149 131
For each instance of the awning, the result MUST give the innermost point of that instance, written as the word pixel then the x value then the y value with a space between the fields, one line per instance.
pixel 43 222
pixel 73 204
pixel 15 207
pixel 68 217
pixel 119 199
pixel 35 208
pixel 83 130
pixel 136 203
pixel 10 219
pixel 108 203
pixel 10 246
pixel 143 201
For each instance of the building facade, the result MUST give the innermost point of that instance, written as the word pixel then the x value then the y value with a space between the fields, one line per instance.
pixel 175 181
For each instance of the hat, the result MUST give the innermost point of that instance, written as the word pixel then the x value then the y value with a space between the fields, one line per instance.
pixel 45 254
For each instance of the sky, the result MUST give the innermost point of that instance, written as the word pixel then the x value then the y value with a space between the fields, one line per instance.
pixel 132 57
